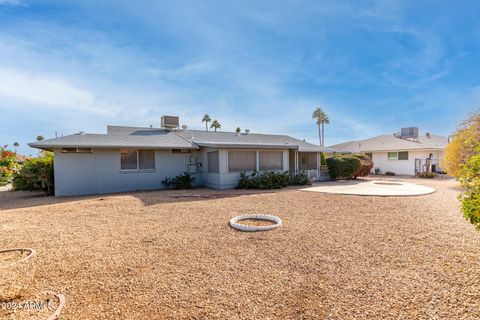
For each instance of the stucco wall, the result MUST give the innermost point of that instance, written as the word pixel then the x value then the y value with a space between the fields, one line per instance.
pixel 405 167
pixel 99 172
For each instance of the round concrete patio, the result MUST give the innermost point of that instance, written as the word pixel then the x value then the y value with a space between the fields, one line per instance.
pixel 371 188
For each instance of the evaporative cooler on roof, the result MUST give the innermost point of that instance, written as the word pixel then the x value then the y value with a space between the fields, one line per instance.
pixel 411 132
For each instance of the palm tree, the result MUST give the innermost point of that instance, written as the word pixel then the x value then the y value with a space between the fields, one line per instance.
pixel 16 145
pixel 216 125
pixel 206 118
pixel 238 130
pixel 321 119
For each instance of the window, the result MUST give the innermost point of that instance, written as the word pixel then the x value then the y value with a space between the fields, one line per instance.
pixel 146 159
pixel 403 155
pixel 271 160
pixel 128 160
pixel 212 160
pixel 76 150
pixel 133 159
pixel 242 161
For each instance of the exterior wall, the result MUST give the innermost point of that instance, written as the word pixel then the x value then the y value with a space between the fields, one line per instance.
pixel 99 172
pixel 404 167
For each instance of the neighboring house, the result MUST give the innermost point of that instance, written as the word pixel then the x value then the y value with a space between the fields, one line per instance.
pixel 132 158
pixel 21 158
pixel 405 152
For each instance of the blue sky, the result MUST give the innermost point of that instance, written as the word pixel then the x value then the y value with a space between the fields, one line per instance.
pixel 373 66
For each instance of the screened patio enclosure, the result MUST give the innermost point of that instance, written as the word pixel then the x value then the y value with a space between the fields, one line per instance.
pixel 304 161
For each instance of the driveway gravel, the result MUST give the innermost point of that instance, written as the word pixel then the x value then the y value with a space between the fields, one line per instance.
pixel 172 254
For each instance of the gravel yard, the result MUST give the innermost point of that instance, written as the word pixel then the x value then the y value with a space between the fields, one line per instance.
pixel 171 254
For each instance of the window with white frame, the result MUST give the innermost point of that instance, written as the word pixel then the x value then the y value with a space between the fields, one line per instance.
pixel 134 159
pixel 402 155
pixel 271 160
pixel 242 161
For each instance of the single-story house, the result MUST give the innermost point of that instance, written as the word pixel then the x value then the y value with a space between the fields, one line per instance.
pixel 133 158
pixel 405 152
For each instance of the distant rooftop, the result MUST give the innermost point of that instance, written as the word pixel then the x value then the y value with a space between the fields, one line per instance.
pixel 393 143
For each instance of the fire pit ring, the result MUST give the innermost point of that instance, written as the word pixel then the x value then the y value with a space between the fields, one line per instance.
pixel 31 253
pixel 387 183
pixel 247 228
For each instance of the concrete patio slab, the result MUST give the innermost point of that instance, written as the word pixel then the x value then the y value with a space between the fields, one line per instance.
pixel 371 188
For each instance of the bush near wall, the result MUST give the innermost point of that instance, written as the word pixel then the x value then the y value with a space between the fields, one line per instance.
pixel 271 180
pixel 366 165
pixel 462 160
pixel 8 165
pixel 36 175
pixel 182 181
pixel 343 167
pixel 470 178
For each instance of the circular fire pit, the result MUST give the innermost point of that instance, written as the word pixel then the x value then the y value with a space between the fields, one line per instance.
pixel 30 253
pixel 234 222
pixel 388 183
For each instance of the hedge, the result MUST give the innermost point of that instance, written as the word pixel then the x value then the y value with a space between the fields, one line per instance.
pixel 343 167
pixel 36 175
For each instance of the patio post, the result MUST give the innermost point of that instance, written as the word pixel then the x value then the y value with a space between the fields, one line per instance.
pixel 296 162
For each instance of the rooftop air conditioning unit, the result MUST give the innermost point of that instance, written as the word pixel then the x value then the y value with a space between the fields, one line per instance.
pixel 170 122
pixel 411 132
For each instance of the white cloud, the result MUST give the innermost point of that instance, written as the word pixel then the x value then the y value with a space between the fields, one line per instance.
pixel 11 2
pixel 44 91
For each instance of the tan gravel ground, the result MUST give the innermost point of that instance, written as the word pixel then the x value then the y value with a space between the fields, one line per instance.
pixel 171 254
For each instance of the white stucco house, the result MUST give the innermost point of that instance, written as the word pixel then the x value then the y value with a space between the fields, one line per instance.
pixel 134 158
pixel 405 152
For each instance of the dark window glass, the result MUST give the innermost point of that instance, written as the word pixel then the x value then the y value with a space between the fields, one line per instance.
pixel 128 159
pixel 146 159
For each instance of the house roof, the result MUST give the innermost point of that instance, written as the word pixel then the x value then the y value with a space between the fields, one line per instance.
pixel 392 143
pixel 135 137
pixel 244 140
pixel 119 137
pixel 22 158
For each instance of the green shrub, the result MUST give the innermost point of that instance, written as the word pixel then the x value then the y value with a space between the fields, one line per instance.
pixel 426 175
pixel 36 175
pixel 4 178
pixel 343 167
pixel 366 165
pixel 182 181
pixel 299 179
pixel 323 160
pixel 271 180
pixel 389 173
pixel 470 179
pixel 8 165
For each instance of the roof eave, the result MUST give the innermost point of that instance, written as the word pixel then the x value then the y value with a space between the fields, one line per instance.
pixel 51 147
pixel 245 145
